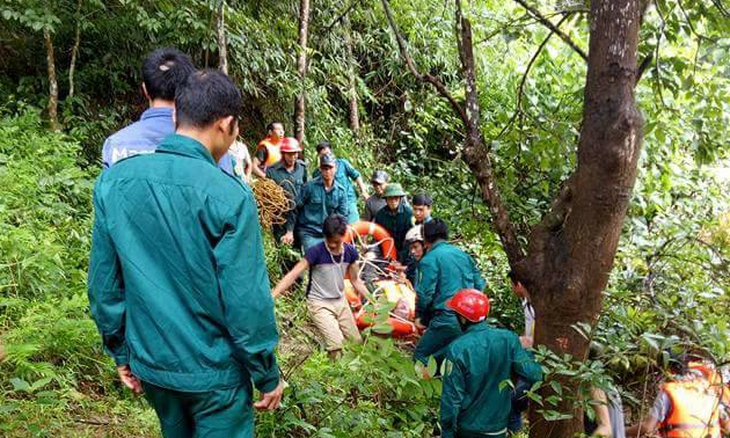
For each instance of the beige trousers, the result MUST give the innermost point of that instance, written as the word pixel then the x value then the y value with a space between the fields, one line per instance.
pixel 334 320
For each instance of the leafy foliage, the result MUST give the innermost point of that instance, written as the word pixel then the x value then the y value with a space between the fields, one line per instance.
pixel 668 288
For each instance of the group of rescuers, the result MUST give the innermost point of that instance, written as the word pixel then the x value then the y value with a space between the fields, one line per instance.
pixel 179 289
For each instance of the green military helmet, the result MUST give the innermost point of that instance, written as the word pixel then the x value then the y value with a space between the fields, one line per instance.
pixel 394 191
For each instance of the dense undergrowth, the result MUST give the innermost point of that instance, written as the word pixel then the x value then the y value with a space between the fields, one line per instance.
pixel 57 382
pixel 668 287
pixel 666 290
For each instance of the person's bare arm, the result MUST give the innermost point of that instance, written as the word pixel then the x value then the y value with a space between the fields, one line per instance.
pixel 646 427
pixel 289 279
pixel 603 419
pixel 363 188
pixel 357 283
pixel 248 169
pixel 256 169
pixel 271 400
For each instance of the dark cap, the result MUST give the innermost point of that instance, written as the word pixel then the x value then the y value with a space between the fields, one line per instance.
pixel 379 177
pixel 327 160
pixel 423 199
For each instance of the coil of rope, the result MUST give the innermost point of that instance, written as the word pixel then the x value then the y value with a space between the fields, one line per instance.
pixel 273 202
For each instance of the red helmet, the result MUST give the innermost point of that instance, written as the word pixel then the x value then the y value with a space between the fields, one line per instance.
pixel 290 144
pixel 471 304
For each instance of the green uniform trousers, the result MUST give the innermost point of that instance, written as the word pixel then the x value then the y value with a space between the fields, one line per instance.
pixel 353 215
pixel 479 435
pixel 309 240
pixel 221 413
pixel 442 329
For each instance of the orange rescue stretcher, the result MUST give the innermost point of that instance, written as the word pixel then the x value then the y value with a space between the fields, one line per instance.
pixel 401 294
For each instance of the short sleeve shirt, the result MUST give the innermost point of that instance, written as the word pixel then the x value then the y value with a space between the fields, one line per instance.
pixel 240 157
pixel 327 271
pixel 529 318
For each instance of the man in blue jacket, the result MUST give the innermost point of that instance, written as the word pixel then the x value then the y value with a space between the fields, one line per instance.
pixel 178 285
pixel 163 71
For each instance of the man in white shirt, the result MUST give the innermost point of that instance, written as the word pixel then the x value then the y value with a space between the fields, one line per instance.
pixel 519 400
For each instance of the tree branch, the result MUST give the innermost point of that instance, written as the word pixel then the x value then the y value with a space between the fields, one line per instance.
pixel 221 34
pixel 342 15
pixel 521 89
pixel 75 51
pixel 476 153
pixel 52 81
pixel 549 24
pixel 440 87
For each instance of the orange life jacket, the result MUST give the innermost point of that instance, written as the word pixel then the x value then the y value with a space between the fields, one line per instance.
pixel 273 151
pixel 714 378
pixel 694 412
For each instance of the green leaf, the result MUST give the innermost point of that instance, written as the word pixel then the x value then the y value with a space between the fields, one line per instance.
pixel 19 384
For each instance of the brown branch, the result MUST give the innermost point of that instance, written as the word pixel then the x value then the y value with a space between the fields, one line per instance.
pixel 301 100
pixel 476 154
pixel 93 422
pixel 221 35
pixel 521 89
pixel 549 24
pixel 645 63
pixel 353 101
pixel 52 81
pixel 342 16
pixel 440 87
pixel 75 51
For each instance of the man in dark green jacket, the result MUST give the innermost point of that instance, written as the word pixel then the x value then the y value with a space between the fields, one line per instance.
pixel 177 283
pixel 396 217
pixel 318 199
pixel 291 174
pixel 443 271
pixel 345 174
pixel 472 403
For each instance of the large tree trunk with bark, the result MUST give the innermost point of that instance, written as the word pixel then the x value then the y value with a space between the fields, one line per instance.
pixel 221 33
pixel 52 82
pixel 353 102
pixel 571 252
pixel 301 102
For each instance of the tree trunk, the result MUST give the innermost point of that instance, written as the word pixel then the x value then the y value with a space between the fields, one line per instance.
pixel 222 44
pixel 354 104
pixel 75 51
pixel 571 252
pixel 300 106
pixel 52 82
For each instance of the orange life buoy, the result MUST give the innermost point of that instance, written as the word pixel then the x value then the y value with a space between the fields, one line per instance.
pixel 380 234
pixel 403 327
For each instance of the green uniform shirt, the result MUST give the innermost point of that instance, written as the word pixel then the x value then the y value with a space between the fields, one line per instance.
pixel 442 272
pixel 477 362
pixel 345 174
pixel 292 182
pixel 397 223
pixel 315 203
pixel 178 285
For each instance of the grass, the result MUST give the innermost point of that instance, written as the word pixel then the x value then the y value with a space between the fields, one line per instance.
pixel 86 416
